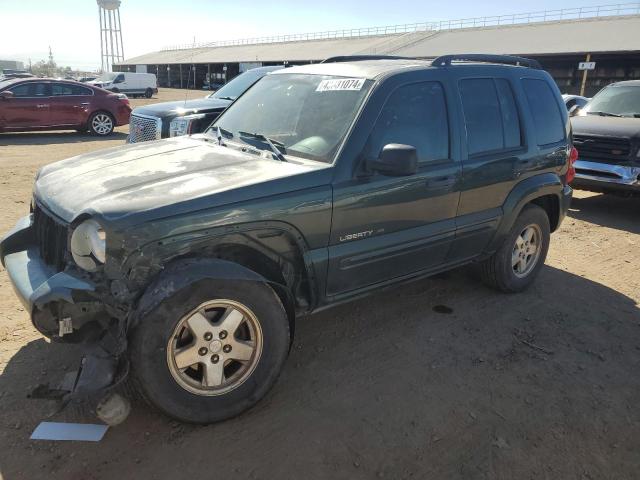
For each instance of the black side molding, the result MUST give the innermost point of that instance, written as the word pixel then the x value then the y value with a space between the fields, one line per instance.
pixel 445 60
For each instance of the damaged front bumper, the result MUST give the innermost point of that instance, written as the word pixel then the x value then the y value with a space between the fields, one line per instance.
pixel 65 306
pixel 601 177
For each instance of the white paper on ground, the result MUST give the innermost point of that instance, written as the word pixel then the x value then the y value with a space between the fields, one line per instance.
pixel 86 432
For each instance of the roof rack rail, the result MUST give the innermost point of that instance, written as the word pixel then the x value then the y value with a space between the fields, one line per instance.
pixel 445 60
pixel 357 58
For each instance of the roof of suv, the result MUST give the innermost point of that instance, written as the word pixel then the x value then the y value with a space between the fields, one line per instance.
pixel 362 68
pixel 375 68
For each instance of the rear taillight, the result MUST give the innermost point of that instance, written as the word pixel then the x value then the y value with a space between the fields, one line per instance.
pixel 571 171
pixel 123 98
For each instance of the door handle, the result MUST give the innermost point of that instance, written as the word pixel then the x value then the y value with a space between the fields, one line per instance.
pixel 441 182
pixel 84 103
pixel 42 105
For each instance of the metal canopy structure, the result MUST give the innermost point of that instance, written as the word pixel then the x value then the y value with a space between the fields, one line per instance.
pixel 111 48
pixel 557 39
pixel 610 34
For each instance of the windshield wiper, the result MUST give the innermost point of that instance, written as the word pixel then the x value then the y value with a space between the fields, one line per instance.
pixel 226 98
pixel 272 143
pixel 604 114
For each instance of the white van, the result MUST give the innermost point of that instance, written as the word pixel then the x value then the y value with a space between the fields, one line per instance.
pixel 133 84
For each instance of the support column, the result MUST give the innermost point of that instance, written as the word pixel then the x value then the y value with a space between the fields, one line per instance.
pixel 584 76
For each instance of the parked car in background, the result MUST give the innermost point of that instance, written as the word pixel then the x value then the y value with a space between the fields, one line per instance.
pixel 171 119
pixel 133 84
pixel 86 79
pixel 192 258
pixel 607 134
pixel 48 104
pixel 8 73
pixel 572 101
pixel 212 86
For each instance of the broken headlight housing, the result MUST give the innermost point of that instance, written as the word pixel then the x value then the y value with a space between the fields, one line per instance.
pixel 88 245
pixel 183 125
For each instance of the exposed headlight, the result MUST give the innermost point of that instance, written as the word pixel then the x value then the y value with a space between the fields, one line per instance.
pixel 183 125
pixel 88 245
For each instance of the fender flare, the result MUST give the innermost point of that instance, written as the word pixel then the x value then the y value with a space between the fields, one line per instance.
pixel 523 193
pixel 179 274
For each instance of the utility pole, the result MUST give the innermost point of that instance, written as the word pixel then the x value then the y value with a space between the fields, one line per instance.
pixel 51 64
pixel 584 76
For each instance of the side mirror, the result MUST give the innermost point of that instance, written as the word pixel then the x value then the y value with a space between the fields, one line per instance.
pixel 396 160
pixel 6 95
pixel 573 111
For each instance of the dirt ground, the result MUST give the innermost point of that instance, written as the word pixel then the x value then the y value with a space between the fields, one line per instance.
pixel 539 385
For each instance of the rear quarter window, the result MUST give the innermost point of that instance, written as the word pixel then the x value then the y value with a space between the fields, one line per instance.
pixel 544 110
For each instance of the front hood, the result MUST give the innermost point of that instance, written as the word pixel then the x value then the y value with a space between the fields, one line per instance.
pixel 201 105
pixel 127 180
pixel 606 126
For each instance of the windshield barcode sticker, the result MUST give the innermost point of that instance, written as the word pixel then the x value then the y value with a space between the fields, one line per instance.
pixel 340 84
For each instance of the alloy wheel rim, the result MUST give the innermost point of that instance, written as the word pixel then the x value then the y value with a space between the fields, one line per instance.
pixel 526 250
pixel 102 124
pixel 215 347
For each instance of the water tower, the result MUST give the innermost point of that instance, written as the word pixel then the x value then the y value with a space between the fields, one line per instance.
pixel 111 48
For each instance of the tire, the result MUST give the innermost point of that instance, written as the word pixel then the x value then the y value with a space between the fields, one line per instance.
pixel 101 124
pixel 512 268
pixel 182 394
pixel 148 93
pixel 115 90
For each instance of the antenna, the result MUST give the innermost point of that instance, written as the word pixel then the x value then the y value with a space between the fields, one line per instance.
pixel 111 48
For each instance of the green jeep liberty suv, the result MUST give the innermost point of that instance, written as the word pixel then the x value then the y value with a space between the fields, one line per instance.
pixel 184 263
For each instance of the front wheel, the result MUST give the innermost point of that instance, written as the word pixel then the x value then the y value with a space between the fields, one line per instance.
pixel 101 124
pixel 210 351
pixel 518 261
pixel 148 93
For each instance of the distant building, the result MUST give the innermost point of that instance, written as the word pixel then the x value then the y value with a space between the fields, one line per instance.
pixel 11 64
pixel 558 39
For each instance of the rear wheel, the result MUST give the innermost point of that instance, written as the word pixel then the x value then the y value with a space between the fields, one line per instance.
pixel 148 93
pixel 210 351
pixel 101 124
pixel 518 261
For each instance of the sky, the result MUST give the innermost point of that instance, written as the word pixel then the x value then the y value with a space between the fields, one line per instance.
pixel 71 28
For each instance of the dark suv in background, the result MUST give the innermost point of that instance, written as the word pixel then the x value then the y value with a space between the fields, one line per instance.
pixel 187 263
pixel 172 119
pixel 606 131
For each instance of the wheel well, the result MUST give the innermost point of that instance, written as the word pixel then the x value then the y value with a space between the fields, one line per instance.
pixel 551 205
pixel 113 117
pixel 285 271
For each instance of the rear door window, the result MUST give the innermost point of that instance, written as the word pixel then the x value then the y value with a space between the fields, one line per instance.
pixel 544 110
pixel 31 89
pixel 491 115
pixel 64 89
pixel 415 115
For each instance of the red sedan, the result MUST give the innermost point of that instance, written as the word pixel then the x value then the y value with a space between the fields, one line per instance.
pixel 28 104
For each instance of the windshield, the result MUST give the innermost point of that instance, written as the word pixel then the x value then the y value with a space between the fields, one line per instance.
pixel 238 85
pixel 107 76
pixel 616 100
pixel 305 115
